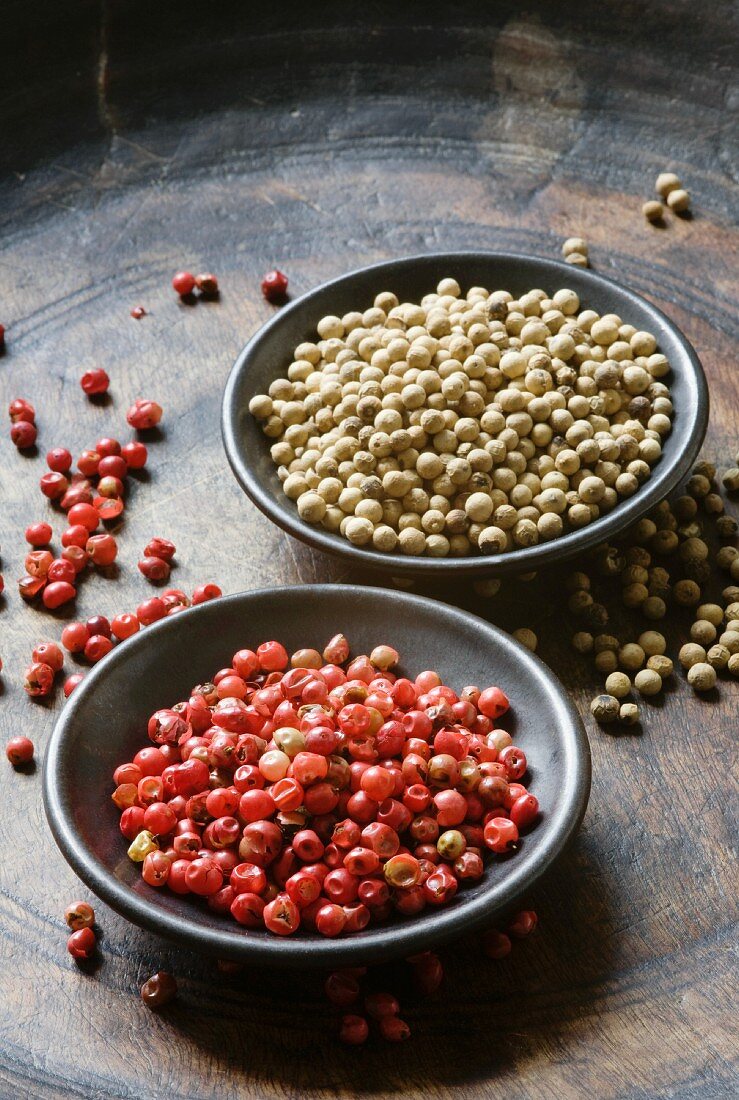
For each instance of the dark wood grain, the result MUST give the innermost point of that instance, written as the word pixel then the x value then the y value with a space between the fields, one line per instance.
pixel 140 138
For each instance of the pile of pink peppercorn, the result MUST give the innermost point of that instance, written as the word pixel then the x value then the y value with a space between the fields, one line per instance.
pixel 323 793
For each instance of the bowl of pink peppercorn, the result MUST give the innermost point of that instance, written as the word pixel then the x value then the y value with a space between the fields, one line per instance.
pixel 317 777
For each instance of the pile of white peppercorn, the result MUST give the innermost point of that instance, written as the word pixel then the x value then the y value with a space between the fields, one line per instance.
pixel 463 424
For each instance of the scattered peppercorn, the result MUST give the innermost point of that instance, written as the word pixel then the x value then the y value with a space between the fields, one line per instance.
pixel 274 286
pixel 158 990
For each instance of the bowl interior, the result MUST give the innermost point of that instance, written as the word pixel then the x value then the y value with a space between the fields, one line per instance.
pixel 104 724
pixel 269 353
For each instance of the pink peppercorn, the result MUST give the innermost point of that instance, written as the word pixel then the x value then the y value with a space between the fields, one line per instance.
pixel 58 593
pixel 20 409
pixel 206 592
pixel 95 382
pixel 23 434
pixel 135 454
pixel 59 459
pixel 19 751
pixel 38 679
pixel 144 414
pixel 39 534
pixel 81 944
pixel 183 283
pixel 154 569
pixel 71 683
pixel 274 286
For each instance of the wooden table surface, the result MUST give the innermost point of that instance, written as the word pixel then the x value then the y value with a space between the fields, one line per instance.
pixel 138 141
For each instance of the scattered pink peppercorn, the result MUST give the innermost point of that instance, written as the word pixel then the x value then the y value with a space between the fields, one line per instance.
pixel 206 592
pixel 74 637
pixel 341 988
pixel 111 487
pixel 123 626
pixel 138 312
pixel 2 337
pixel 135 454
pixel 99 624
pixel 39 534
pixel 158 990
pixel 53 485
pixel 20 409
pixel 58 593
pixel 207 284
pixel 84 514
pixel 183 283
pixel 354 1030
pixel 61 570
pixel 102 549
pixel 108 508
pixel 28 586
pixel 80 914
pixel 112 466
pixel 59 459
pixel 106 446
pixel 23 433
pixel 144 414
pixel 97 647
pixel 19 750
pixel 496 944
pixel 49 653
pixel 38 679
pixel 95 381
pixel 154 569
pixel 160 548
pixel 81 944
pixel 150 610
pixel 71 683
pixel 274 286
pixel 523 924
pixel 393 1029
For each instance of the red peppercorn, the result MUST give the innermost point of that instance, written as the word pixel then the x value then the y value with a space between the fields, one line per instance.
pixel 493 702
pixel 138 312
pixel 341 988
pixel 61 570
pixel 158 990
pixel 428 972
pixel 524 811
pixel 71 683
pixel 76 556
pixel 28 586
pixel 150 610
pixel 19 751
pixel 135 454
pixel 160 548
pixel 85 515
pixel 514 761
pixel 80 914
pixel 183 283
pixel 23 433
pixel 53 485
pixel 95 381
pixel 49 653
pixel 111 487
pixel 154 569
pixel 394 1029
pixel 88 462
pixel 97 647
pixel 108 508
pixel 39 534
pixel 274 286
pixel 354 1030
pixel 81 944
pixel 523 924
pixel 206 592
pixel 20 409
pixel 113 466
pixel 58 593
pixel 496 945
pixel 500 835
pixel 123 626
pixel 144 414
pixel 381 1005
pixel 207 284
pixel 59 459
pixel 102 549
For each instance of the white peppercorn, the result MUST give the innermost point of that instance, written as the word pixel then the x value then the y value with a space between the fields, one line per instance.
pixel 629 714
pixel 618 684
pixel 605 708
pixel 702 676
pixel 678 200
pixel 660 664
pixel 691 654
pixel 648 682
pixel 666 182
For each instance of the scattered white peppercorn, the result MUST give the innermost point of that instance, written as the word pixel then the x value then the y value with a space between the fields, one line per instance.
pixel 702 676
pixel 648 682
pixel 666 182
pixel 730 479
pixel 605 708
pixel 618 684
pixel 718 656
pixel 526 637
pixel 582 642
pixel 653 210
pixel 691 654
pixel 467 423
pixel 660 664
pixel 733 665
pixel 629 714
pixel 678 200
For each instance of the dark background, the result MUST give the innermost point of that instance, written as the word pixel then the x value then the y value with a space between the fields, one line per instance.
pixel 136 139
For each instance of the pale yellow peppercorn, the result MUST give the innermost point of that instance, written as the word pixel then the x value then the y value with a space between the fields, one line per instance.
pixel 653 210
pixel 648 682
pixel 606 662
pixel 691 654
pixel 629 714
pixel 631 656
pixel 733 665
pixel 652 642
pixel 526 637
pixel 618 684
pixel 730 479
pixel 605 708
pixel 703 632
pixel 730 637
pixel 358 531
pixel 577 259
pixel 702 676
pixel 574 244
pixel 142 845
pixel 582 642
pixel 487 587
pixel 666 182
pixel 718 656
pixel 660 664
pixel 678 200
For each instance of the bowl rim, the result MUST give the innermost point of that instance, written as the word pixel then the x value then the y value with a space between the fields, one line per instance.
pixel 666 475
pixel 382 942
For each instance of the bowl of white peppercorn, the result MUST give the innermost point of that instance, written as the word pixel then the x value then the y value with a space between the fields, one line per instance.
pixel 475 413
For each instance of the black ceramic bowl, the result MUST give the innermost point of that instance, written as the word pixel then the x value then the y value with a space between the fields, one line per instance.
pixel 104 723
pixel 269 352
